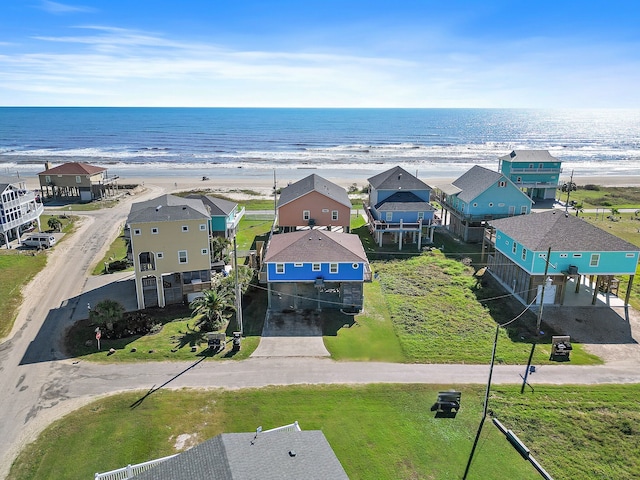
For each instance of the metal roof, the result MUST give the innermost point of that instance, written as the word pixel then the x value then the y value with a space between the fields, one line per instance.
pixel 529 156
pixel 73 168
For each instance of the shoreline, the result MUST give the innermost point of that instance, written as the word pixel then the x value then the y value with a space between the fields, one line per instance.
pixel 245 181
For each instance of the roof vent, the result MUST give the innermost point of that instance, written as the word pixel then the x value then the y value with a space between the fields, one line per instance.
pixel 292 453
pixel 512 154
pixel 158 208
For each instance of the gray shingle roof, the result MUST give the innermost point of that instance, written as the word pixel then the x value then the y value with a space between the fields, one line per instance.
pixel 404 202
pixel 475 181
pixel 217 206
pixel 529 156
pixel 277 455
pixel 397 178
pixel 167 208
pixel 315 246
pixel 539 231
pixel 314 183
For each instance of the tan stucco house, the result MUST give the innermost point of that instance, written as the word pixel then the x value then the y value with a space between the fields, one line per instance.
pixel 170 249
pixel 313 201
pixel 77 180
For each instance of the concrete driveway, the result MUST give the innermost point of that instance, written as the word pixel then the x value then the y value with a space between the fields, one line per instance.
pixel 292 334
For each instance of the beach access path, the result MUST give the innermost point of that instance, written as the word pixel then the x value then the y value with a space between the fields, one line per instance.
pixel 39 384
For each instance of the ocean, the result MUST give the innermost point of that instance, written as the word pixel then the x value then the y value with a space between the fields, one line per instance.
pixel 350 143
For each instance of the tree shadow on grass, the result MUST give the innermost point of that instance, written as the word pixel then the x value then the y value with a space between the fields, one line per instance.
pixel 333 320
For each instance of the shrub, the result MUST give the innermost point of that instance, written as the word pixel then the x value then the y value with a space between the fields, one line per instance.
pixel 592 187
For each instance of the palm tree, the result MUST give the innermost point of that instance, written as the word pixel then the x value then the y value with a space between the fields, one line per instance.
pixel 54 224
pixel 213 307
pixel 107 312
pixel 218 247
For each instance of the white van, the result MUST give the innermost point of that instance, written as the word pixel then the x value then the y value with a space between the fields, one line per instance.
pixel 44 240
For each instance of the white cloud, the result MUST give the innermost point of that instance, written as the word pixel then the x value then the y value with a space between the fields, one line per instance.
pixel 115 66
pixel 62 8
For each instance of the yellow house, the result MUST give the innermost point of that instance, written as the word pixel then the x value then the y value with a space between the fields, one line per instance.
pixel 77 180
pixel 170 249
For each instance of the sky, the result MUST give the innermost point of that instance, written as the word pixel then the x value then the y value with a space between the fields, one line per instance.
pixel 321 53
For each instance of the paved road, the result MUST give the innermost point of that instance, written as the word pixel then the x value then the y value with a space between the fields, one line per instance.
pixel 38 385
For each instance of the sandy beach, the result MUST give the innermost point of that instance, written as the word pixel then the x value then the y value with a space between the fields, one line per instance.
pixel 243 184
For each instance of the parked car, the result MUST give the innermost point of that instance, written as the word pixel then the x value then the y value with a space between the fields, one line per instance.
pixel 39 241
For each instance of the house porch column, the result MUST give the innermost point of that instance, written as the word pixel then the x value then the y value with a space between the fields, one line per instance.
pixel 595 291
pixel 160 291
pixel 626 297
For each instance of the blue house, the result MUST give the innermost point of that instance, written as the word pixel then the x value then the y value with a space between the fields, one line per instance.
pixel 536 172
pixel 399 205
pixel 315 269
pixel 477 196
pixel 519 247
pixel 225 215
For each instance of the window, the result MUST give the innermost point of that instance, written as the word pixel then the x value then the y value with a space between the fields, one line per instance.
pixel 334 214
pixel 595 260
pixel 325 210
pixel 279 267
pixel 388 216
pixel 523 210
pixel 531 165
pixel 297 264
pixel 563 255
pixel 154 230
pixel 159 255
pixel 541 165
pixel 514 248
pixel 203 227
pixel 491 204
pixel 577 255
pixel 519 179
pixel 524 253
pixel 502 183
pixel 420 215
pixel 182 256
pixel 501 204
pixel 630 255
pixel 78 179
pixel 355 266
pixel 333 268
pixel 204 251
pixel 315 267
pixel 136 231
pixel 475 204
pixel 47 179
pixel 542 255
pixel 185 228
pixel 306 214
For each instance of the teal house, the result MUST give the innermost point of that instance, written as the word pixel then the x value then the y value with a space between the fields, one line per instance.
pixel 477 196
pixel 536 172
pixel 225 215
pixel 518 248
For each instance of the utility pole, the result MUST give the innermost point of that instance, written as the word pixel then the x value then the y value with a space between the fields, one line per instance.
pixel 238 289
pixel 538 321
pixel 486 404
pixel 569 187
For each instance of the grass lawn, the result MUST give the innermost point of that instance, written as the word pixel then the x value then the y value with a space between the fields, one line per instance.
pixel 68 222
pixel 251 227
pixel 431 303
pixel 370 338
pixel 377 431
pixel 597 196
pixel 16 270
pixel 117 251
pixel 174 341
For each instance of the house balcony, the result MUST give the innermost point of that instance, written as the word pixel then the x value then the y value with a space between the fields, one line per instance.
pixel 195 286
pixel 368 276
pixel 468 218
pixel 383 226
pixel 232 226
pixel 108 179
pixel 548 170
pixel 524 183
pixel 28 213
